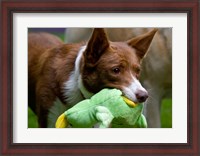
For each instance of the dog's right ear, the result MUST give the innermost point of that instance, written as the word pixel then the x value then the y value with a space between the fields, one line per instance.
pixel 96 46
pixel 142 42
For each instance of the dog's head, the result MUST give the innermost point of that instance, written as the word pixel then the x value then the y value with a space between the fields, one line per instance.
pixel 109 64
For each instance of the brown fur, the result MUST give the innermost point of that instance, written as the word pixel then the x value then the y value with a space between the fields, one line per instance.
pixel 115 56
pixel 48 71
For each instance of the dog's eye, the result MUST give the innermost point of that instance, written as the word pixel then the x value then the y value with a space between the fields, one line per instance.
pixel 137 70
pixel 116 70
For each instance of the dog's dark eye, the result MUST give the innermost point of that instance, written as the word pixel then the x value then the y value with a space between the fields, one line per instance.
pixel 116 70
pixel 137 76
pixel 137 70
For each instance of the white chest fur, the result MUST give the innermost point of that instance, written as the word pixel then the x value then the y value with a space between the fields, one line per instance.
pixel 74 90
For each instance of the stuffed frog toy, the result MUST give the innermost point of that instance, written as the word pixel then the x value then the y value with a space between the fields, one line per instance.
pixel 108 108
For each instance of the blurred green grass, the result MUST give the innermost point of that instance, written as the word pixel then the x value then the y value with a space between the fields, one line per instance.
pixel 166 113
pixel 62 36
pixel 32 119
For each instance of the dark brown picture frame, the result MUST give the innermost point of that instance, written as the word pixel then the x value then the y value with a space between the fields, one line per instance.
pixel 9 7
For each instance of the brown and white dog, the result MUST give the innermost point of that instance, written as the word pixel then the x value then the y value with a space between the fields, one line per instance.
pixel 73 72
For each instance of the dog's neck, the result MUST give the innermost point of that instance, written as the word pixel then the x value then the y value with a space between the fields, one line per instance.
pixel 81 86
pixel 83 90
pixel 74 89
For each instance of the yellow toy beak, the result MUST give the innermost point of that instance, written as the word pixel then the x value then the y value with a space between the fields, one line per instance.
pixel 129 102
pixel 61 121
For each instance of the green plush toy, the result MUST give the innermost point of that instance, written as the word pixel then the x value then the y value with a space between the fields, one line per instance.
pixel 108 108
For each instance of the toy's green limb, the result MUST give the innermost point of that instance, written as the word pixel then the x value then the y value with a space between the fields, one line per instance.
pixel 141 122
pixel 104 116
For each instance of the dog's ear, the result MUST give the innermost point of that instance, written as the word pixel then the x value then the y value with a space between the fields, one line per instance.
pixel 96 46
pixel 141 43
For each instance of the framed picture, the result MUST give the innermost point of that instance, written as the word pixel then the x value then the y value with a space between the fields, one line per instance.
pixel 20 17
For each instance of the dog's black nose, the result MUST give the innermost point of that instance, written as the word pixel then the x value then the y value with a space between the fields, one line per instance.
pixel 141 95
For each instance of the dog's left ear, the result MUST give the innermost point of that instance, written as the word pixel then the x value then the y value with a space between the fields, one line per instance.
pixel 96 45
pixel 141 43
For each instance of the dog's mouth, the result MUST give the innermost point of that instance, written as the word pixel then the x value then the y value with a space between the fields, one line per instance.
pixel 133 97
pixel 129 102
pixel 136 98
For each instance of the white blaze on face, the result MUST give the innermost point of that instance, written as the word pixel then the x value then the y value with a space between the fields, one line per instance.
pixel 133 89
